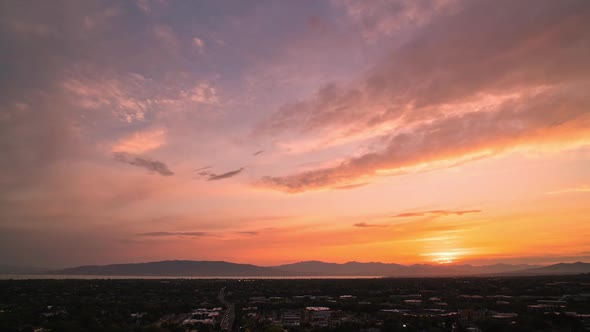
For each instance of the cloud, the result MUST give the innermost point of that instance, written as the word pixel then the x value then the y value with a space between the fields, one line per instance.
pixel 122 96
pixel 202 93
pixel 151 165
pixel 410 214
pixel 248 233
pixel 164 234
pixel 202 168
pixel 466 84
pixel 131 97
pixel 350 186
pixel 367 225
pixel 430 213
pixel 166 35
pixel 141 141
pixel 102 18
pixel 578 189
pixel 258 152
pixel 457 58
pixel 194 234
pixel 199 44
pixel 558 115
pixel 385 17
pixel 144 5
pixel 215 177
pixel 435 212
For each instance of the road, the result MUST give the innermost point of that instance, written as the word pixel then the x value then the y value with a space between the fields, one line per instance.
pixel 227 321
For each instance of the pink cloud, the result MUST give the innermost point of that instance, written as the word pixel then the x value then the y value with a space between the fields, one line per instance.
pixel 142 141
pixel 466 86
pixel 131 97
pixel 199 44
pixel 531 120
pixel 367 225
pixel 455 61
pixel 385 17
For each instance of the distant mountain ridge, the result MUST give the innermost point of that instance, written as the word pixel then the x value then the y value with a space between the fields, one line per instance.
pixel 560 268
pixel 317 268
pixel 174 268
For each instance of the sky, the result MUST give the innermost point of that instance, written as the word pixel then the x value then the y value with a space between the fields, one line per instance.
pixel 271 132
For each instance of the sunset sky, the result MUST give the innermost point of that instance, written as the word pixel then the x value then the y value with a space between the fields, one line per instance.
pixel 270 132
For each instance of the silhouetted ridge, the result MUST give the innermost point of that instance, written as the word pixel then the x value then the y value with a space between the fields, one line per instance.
pixel 317 268
pixel 174 268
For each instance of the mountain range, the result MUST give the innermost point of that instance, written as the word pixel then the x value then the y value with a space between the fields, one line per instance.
pixel 317 268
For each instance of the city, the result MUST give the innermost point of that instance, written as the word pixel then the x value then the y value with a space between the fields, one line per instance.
pixel 541 303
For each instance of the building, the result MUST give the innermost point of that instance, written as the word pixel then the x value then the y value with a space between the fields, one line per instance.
pixel 318 316
pixel 291 318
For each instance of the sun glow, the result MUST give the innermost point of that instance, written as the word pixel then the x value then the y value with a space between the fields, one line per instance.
pixel 443 257
pixel 445 260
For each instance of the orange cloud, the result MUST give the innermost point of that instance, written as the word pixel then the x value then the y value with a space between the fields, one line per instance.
pixel 166 234
pixel 364 224
pixel 579 189
pixel 435 212
pixel 350 186
pixel 142 141
pixel 558 115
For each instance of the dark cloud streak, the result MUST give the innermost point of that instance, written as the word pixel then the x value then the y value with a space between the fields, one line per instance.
pixel 367 225
pixel 165 234
pixel 248 233
pixel 151 165
pixel 216 177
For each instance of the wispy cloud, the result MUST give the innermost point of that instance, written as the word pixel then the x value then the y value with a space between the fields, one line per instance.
pixel 202 93
pixel 528 120
pixel 144 5
pixel 132 97
pixel 202 168
pixel 368 225
pixel 405 86
pixel 248 233
pixel 166 35
pixel 166 234
pixel 258 152
pixel 151 165
pixel 435 213
pixel 579 189
pixel 350 186
pixel 386 17
pixel 215 177
pixel 197 234
pixel 491 97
